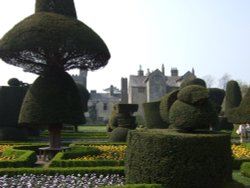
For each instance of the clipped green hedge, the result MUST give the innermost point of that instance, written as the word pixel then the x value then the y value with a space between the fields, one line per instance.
pixel 64 160
pixel 63 171
pixel 166 103
pixel 119 134
pixel 190 117
pixel 82 144
pixel 81 151
pixel 152 115
pixel 137 186
pixel 33 147
pixel 245 169
pixel 180 160
pixel 238 162
pixel 23 158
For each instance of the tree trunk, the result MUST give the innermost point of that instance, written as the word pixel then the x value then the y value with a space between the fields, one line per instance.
pixel 55 135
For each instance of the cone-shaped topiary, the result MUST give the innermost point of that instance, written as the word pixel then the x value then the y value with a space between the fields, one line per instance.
pixel 242 112
pixel 43 105
pixel 232 99
pixel 217 96
pixel 193 109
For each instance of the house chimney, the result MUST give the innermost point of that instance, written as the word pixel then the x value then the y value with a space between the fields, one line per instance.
pixel 140 72
pixel 174 72
pixel 163 69
pixel 124 92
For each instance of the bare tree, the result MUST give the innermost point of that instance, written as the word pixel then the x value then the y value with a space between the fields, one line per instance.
pixel 223 81
pixel 209 80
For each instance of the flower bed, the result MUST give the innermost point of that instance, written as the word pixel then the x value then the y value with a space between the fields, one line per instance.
pixel 240 154
pixel 108 152
pixel 72 181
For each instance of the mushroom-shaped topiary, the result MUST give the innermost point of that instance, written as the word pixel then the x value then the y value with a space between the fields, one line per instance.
pixel 192 109
pixel 48 43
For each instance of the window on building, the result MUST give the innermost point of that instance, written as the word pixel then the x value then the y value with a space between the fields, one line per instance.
pixel 105 106
pixel 141 89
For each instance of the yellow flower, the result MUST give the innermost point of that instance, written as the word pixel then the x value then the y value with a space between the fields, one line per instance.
pixel 109 152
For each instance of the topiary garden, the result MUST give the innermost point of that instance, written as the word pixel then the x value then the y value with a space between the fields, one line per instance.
pixel 178 148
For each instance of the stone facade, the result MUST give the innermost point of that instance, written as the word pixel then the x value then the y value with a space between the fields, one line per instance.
pixel 138 89
pixel 152 86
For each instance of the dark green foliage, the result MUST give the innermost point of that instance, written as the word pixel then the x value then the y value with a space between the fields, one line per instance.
pixel 119 134
pixel 84 95
pixel 11 99
pixel 65 7
pixel 238 162
pixel 242 112
pixel 33 147
pixel 233 97
pixel 120 121
pixel 14 82
pixel 245 169
pixel 217 96
pixel 126 108
pixel 43 105
pixel 60 161
pixel 193 109
pixel 81 151
pixel 224 124
pixel 47 38
pixel 13 134
pixel 152 115
pixel 165 104
pixel 63 171
pixel 180 160
pixel 137 186
pixel 113 121
pixel 193 94
pixel 195 81
pixel 23 158
pixel 190 117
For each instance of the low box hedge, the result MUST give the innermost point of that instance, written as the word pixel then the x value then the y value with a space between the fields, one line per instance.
pixel 238 162
pixel 245 169
pixel 23 158
pixel 80 144
pixel 63 171
pixel 63 160
pixel 137 186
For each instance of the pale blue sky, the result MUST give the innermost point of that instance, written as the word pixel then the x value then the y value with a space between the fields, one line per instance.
pixel 211 36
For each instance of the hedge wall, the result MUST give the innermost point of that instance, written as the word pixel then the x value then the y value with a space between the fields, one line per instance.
pixel 64 160
pixel 152 115
pixel 179 160
pixel 23 158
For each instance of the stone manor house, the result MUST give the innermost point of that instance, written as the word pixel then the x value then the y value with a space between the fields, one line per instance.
pixel 140 88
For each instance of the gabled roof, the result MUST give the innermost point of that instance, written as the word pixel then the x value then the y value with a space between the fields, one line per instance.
pixel 137 81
